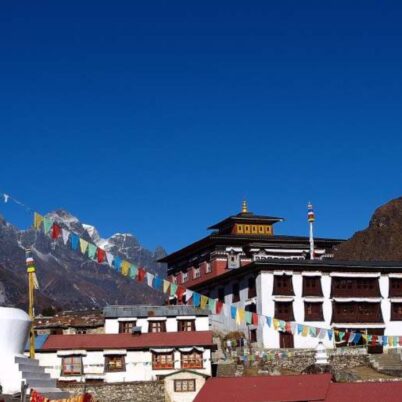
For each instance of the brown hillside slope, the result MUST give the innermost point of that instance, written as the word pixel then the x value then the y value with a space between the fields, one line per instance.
pixel 381 241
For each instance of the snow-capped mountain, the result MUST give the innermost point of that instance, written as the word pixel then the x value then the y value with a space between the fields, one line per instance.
pixel 67 278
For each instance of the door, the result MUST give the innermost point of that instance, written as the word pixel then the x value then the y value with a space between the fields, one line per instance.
pixel 286 340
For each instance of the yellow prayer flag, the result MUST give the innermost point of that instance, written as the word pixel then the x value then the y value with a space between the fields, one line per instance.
pixel 125 267
pixel 38 219
pixel 204 301
pixel 242 314
pixel 305 331
pixel 166 285
pixel 83 245
pixel 276 324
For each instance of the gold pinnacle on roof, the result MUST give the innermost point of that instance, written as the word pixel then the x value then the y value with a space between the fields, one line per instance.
pixel 244 208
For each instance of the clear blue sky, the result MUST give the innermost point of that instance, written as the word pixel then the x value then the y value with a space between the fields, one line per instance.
pixel 158 118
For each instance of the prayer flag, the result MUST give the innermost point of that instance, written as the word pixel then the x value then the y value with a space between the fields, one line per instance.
pixel 255 319
pixel 56 230
pixel 233 312
pixel 125 267
pixel 109 258
pixel 248 317
pixel 47 224
pixel 38 219
pixel 196 299
pixel 204 301
pixel 65 234
pixel 117 263
pixel 150 278
pixel 91 251
pixel 74 241
pixel 219 306
pixel 141 274
pixel 83 245
pixel 269 321
pixel 166 285
pixel 133 271
pixel 173 289
pixel 212 305
pixel 100 255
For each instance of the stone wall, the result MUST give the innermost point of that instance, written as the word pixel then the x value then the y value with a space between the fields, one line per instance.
pixel 141 391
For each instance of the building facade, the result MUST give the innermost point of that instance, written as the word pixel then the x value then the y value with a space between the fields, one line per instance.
pixel 244 264
pixel 125 357
pixel 151 319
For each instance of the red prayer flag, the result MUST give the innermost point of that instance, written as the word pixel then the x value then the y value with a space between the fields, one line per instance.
pixel 100 255
pixel 255 319
pixel 55 231
pixel 141 274
pixel 374 340
pixel 219 306
pixel 179 293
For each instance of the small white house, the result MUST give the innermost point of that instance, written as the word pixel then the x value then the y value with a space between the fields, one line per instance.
pixel 151 319
pixel 125 357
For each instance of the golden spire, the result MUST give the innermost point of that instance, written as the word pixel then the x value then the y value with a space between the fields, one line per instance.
pixel 244 208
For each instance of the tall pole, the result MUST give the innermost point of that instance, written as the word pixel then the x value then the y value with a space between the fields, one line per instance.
pixel 31 309
pixel 311 219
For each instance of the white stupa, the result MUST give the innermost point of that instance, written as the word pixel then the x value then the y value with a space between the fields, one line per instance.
pixel 14 331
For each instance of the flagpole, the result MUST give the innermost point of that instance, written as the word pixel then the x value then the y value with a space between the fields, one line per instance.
pixel 311 219
pixel 31 309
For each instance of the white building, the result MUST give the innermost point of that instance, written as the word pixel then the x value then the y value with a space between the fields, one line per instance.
pixel 362 297
pixel 151 319
pixel 125 357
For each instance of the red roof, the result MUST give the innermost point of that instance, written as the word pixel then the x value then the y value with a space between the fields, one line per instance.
pixel 265 389
pixel 128 341
pixel 365 392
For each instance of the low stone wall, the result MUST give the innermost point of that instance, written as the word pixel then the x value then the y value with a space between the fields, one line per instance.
pixel 141 391
pixel 297 360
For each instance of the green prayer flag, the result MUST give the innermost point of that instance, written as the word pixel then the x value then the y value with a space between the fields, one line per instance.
pixel 47 225
pixel 91 250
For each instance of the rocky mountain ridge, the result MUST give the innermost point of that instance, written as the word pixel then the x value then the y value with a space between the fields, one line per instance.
pixel 69 280
pixel 380 241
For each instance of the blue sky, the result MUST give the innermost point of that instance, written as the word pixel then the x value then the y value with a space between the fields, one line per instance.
pixel 159 118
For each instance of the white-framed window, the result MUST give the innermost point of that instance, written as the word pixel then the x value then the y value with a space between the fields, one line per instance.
pixel 184 385
pixel 184 277
pixel 197 272
pixel 208 267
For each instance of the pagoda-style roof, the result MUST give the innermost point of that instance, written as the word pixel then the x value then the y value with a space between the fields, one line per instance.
pixel 245 217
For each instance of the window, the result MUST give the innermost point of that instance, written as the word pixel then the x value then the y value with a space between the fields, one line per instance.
pixel 184 277
pixel 253 335
pixel 184 385
pixel 360 287
pixel 357 312
pixel 186 325
pixel 251 288
pixel 283 285
pixel 192 359
pixel 313 312
pixel 126 327
pixel 208 267
pixel 239 228
pixel 396 311
pixel 161 361
pixel 312 286
pixel 115 363
pixel 197 272
pixel 156 326
pixel 72 365
pixel 395 287
pixel 221 295
pixel 236 293
pixel 284 311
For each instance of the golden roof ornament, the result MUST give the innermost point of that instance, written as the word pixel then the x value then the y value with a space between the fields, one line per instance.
pixel 244 208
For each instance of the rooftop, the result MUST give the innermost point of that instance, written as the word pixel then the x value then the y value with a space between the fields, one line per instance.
pixel 316 387
pixel 127 341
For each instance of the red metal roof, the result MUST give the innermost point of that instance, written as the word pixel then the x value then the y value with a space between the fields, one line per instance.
pixel 128 341
pixel 365 392
pixel 265 389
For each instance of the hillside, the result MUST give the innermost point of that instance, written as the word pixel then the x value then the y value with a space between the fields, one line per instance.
pixel 381 241
pixel 67 279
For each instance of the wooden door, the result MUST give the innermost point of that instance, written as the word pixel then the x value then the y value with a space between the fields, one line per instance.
pixel 286 340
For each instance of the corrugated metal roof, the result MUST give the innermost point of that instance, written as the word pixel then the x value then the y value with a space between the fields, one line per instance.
pixel 152 311
pixel 127 341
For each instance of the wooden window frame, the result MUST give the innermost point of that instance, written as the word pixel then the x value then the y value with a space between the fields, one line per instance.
pixel 252 290
pixel 283 285
pixel 312 286
pixel 357 312
pixel 66 373
pixel 187 381
pixel 395 287
pixel 313 316
pixel 284 315
pixel 124 326
pixel 192 360
pixel 167 362
pixel 236 292
pixel 359 287
pixel 395 314
pixel 110 358
pixel 182 325
pixel 156 323
pixel 196 272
